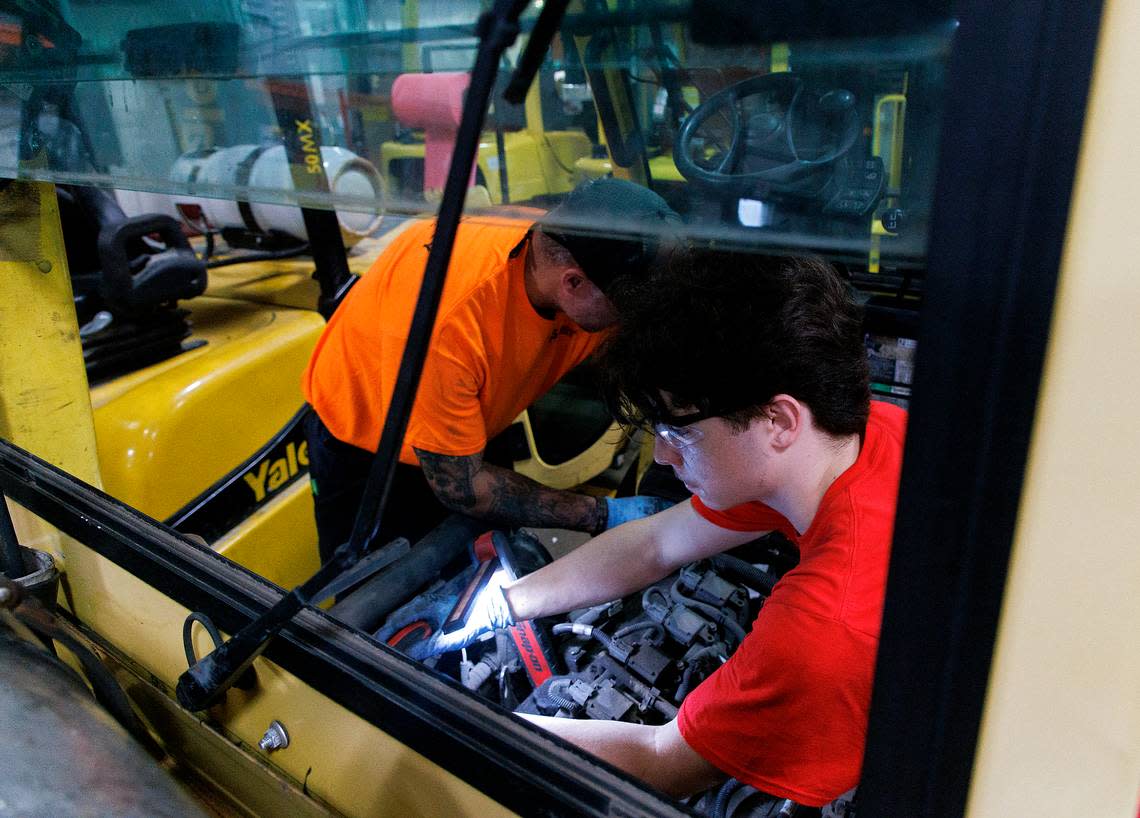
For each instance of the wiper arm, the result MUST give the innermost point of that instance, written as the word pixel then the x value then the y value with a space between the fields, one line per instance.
pixel 208 679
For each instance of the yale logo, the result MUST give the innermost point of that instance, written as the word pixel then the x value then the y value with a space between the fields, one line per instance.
pixel 273 474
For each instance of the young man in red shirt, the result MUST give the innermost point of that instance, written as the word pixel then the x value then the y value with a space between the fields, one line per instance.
pixel 752 374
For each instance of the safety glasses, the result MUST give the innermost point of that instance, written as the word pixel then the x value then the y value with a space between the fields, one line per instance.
pixel 681 433
pixel 679 437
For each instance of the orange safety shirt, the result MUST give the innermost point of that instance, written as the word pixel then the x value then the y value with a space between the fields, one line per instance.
pixel 491 355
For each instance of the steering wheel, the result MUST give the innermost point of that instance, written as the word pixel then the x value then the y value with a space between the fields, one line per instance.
pixel 791 132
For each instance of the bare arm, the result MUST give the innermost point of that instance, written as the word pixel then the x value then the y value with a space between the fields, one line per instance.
pixel 658 756
pixel 620 561
pixel 468 485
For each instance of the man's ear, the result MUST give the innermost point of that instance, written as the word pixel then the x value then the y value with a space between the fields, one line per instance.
pixel 572 279
pixel 788 418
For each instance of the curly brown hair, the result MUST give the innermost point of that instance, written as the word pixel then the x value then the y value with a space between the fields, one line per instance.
pixel 722 333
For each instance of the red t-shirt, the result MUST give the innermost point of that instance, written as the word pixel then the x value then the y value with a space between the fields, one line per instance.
pixel 788 712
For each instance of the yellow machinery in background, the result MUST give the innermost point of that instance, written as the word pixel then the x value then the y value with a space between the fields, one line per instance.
pixel 517 162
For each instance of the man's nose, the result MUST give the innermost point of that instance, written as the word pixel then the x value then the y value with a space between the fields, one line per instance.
pixel 663 453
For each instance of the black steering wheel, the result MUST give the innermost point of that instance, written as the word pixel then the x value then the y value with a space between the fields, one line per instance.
pixel 779 132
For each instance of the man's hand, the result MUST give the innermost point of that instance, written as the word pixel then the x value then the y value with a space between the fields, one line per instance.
pixel 487 610
pixel 623 509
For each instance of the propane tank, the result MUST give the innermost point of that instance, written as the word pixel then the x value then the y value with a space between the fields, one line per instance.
pixel 220 175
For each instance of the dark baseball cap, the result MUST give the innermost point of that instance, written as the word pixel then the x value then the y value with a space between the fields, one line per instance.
pixel 612 228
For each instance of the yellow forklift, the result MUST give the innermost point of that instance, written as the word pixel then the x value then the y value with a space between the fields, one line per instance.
pixel 1008 663
pixel 194 354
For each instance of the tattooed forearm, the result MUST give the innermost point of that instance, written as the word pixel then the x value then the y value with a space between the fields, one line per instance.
pixel 522 501
pixel 451 478
pixel 467 485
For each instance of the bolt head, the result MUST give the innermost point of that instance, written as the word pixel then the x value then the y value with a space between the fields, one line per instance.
pixel 275 738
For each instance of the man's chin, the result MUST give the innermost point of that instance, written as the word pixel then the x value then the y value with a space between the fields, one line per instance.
pixel 710 501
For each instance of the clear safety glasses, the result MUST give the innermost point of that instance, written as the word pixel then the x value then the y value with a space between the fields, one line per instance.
pixel 679 437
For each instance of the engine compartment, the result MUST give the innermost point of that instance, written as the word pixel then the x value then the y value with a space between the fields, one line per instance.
pixel 633 659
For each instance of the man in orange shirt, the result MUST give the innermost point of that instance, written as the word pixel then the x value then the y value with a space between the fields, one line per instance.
pixel 523 304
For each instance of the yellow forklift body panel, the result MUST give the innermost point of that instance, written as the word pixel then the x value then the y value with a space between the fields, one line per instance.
pixel 155 451
pixel 279 540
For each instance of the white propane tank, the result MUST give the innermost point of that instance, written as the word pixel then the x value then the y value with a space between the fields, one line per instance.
pixel 262 168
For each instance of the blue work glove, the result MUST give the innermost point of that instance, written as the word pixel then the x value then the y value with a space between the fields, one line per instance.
pixel 623 509
pixel 488 611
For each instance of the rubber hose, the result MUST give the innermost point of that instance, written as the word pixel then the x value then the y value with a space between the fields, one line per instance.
pixel 367 607
pixel 558 692
pixel 642 626
pixel 647 602
pixel 711 652
pixel 578 629
pixel 188 634
pixel 549 697
pixel 686 678
pixel 745 573
pixel 723 796
pixel 606 641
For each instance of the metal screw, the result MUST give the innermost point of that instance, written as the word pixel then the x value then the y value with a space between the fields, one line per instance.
pixel 275 738
pixel 43 265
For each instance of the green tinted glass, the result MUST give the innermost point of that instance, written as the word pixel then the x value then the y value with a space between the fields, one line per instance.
pixel 780 133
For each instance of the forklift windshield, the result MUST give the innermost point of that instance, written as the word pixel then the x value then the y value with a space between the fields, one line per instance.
pixel 760 132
